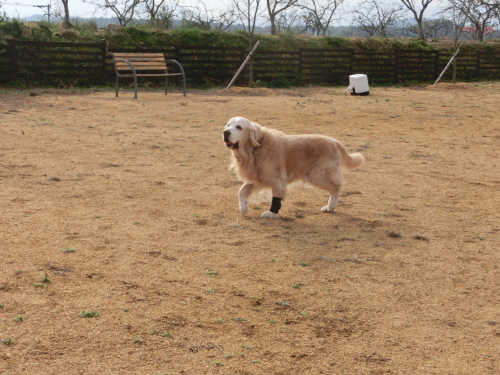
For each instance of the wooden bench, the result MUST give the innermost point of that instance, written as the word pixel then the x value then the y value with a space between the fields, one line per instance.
pixel 138 64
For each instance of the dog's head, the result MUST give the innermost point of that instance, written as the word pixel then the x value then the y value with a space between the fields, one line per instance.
pixel 240 132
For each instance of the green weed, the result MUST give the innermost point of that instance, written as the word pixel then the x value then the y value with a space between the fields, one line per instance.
pixel 89 314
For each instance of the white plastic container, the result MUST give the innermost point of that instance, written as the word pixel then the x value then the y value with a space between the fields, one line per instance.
pixel 358 84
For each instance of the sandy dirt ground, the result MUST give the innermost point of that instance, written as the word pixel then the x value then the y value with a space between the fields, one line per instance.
pixel 122 250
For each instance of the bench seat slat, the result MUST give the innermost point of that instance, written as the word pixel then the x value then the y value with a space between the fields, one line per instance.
pixel 151 75
pixel 138 54
pixel 131 59
pixel 142 65
pixel 148 56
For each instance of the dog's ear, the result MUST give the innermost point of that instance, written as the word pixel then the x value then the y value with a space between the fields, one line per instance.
pixel 254 135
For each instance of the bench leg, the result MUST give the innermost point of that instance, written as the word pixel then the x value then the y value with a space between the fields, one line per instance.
pixel 184 82
pixel 116 87
pixel 166 84
pixel 135 87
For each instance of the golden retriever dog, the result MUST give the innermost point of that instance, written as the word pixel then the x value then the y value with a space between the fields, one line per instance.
pixel 268 158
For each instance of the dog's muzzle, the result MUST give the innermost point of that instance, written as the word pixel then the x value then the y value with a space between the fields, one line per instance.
pixel 229 144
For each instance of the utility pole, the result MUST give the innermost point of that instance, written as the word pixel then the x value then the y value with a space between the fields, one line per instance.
pixel 48 6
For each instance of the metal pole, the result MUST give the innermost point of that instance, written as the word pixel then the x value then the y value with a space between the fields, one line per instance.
pixel 243 65
pixel 447 66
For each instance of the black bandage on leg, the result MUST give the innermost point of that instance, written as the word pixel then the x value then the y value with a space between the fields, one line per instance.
pixel 275 205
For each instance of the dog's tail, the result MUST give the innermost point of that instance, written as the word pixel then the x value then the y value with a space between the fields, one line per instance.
pixel 351 161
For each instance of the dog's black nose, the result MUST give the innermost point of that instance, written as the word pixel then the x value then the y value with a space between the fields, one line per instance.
pixel 226 133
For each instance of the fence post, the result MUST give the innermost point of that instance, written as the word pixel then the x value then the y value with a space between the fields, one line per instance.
pixel 301 54
pixel 13 60
pixel 103 58
pixel 351 62
pixel 436 63
pixel 395 71
pixel 478 64
pixel 177 53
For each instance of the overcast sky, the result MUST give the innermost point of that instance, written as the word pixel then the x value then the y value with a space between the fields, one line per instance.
pixel 77 8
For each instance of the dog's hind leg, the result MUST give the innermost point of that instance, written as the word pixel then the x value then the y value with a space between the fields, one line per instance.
pixel 333 201
pixel 246 189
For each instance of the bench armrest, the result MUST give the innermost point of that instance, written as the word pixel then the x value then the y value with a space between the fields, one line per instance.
pixel 129 63
pixel 178 65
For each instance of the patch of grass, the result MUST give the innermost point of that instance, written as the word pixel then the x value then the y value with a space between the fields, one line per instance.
pixel 297 286
pixel 7 342
pixel 305 264
pixel 211 272
pixel 216 363
pixel 18 319
pixel 167 335
pixel 89 314
pixel 69 250
pixel 46 279
pixel 138 340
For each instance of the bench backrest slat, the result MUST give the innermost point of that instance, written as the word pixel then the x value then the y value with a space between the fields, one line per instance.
pixel 141 61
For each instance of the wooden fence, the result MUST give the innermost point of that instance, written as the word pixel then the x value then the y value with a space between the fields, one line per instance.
pixel 89 63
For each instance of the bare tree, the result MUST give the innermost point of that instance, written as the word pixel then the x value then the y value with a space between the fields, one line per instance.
pixel 438 27
pixel 494 6
pixel 123 9
pixel 482 14
pixel 290 21
pixel 206 18
pixel 374 17
pixel 274 8
pixel 320 14
pixel 418 12
pixel 159 12
pixel 166 15
pixel 3 15
pixel 66 23
pixel 248 11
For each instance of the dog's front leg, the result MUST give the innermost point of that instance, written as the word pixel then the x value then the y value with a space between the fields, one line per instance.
pixel 279 191
pixel 243 194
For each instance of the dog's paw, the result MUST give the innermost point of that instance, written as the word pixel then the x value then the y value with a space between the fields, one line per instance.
pixel 327 209
pixel 243 208
pixel 269 215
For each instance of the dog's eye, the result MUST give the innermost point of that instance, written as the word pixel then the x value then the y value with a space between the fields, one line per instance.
pixel 238 127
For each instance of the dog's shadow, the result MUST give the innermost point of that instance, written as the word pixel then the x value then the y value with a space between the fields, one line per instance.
pixel 306 231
